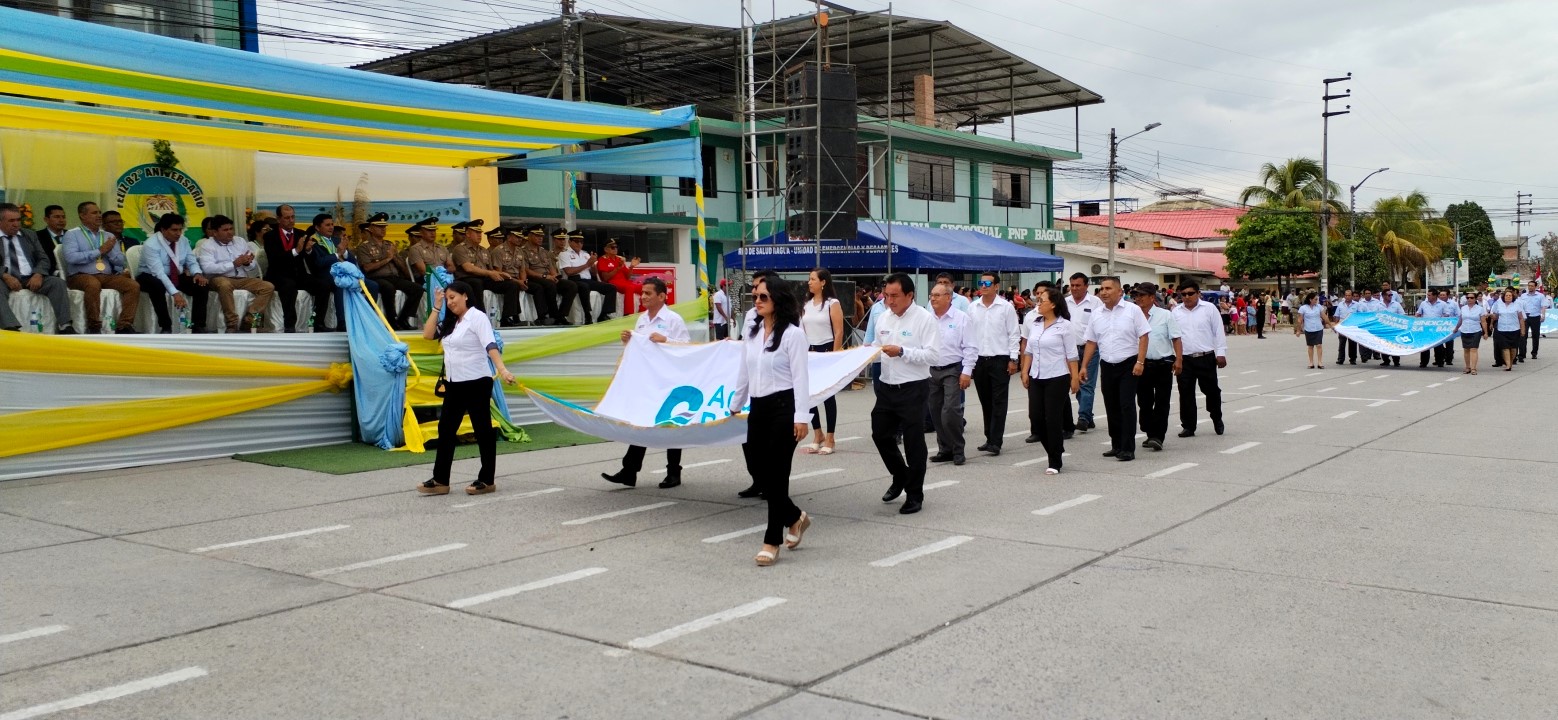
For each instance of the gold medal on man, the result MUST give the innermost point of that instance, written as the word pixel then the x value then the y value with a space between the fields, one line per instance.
pixel 101 266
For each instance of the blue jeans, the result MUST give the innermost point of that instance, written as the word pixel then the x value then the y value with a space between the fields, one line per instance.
pixel 1085 395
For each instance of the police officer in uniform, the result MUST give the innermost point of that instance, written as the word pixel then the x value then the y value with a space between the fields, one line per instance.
pixel 541 272
pixel 425 251
pixel 383 264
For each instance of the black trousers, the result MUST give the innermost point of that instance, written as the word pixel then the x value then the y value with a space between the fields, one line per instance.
pixel 1260 322
pixel 608 298
pixel 1534 330
pixel 991 382
pixel 721 330
pixel 1118 387
pixel 633 461
pixel 771 447
pixel 157 295
pixel 567 290
pixel 945 406
pixel 473 398
pixel 1199 371
pixel 388 284
pixel 478 298
pixel 287 287
pixel 1049 409
pixel 544 293
pixel 901 409
pixel 830 407
pixel 1347 349
pixel 1443 354
pixel 509 289
pixel 1152 397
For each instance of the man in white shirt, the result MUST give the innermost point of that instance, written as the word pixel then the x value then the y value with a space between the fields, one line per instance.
pixel 228 262
pixel 908 338
pixel 1165 360
pixel 578 266
pixel 950 375
pixel 1205 348
pixel 993 322
pixel 1345 347
pixel 720 312
pixel 657 323
pixel 959 302
pixel 1083 305
pixel 1536 304
pixel 1118 334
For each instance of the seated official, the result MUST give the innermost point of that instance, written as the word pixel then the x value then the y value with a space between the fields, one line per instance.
pixel 25 266
pixel 229 263
pixel 94 260
pixel 382 264
pixel 169 268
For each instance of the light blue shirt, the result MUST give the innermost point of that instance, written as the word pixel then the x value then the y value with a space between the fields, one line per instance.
pixel 1391 305
pixel 1367 305
pixel 1535 303
pixel 1343 308
pixel 1508 315
pixel 1429 309
pixel 960 302
pixel 1165 330
pixel 1471 318
pixel 877 308
pixel 1312 317
pixel 81 253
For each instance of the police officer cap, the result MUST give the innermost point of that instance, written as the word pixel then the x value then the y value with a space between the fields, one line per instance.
pixel 379 219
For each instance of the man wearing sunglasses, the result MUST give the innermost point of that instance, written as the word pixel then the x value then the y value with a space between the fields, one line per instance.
pixel 1205 349
pixel 993 322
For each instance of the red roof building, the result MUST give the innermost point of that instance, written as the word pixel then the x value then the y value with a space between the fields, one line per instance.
pixel 1165 230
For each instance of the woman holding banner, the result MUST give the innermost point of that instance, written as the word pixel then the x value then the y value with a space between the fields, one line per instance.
pixel 1509 319
pixel 823 321
pixel 470 355
pixel 773 375
pixel 1311 321
pixel 1474 325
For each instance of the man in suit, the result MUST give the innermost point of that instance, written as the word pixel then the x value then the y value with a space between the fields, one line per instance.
pixel 24 266
pixel 53 235
pixel 291 269
pixel 169 268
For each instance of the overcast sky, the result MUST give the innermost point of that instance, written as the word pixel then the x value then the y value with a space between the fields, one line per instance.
pixel 1454 97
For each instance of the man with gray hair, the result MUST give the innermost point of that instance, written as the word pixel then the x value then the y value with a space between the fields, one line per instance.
pixel 24 266
pixel 950 375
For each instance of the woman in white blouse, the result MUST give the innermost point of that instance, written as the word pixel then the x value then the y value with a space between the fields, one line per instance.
pixel 773 376
pixel 823 321
pixel 469 347
pixel 1049 372
pixel 1474 325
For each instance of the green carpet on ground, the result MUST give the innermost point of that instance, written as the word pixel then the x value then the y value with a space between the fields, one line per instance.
pixel 348 458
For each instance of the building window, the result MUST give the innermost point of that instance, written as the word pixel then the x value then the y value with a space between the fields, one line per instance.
pixel 710 187
pixel 1011 187
pixel 509 176
pixel 930 178
pixel 607 181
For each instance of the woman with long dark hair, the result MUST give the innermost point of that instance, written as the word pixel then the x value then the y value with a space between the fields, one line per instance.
pixel 773 376
pixel 823 321
pixel 1311 321
pixel 1049 372
pixel 1509 327
pixel 468 347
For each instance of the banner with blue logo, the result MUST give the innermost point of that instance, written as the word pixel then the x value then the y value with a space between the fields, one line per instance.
pixel 1550 322
pixel 1392 334
pixel 667 395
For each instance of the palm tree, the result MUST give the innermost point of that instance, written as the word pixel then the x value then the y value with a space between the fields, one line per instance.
pixel 1410 233
pixel 1293 184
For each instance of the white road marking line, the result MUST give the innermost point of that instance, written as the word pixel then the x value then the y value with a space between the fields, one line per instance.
pixel 755 529
pixel 1250 387
pixel 1344 415
pixel 1282 380
pixel 1289 398
pixel 1240 448
pixel 268 538
pixel 1434 385
pixel 846 439
pixel 939 485
pixel 1298 429
pixel 1451 379
pixel 816 473
pixel 1015 434
pixel 1246 372
pixel 386 560
pixel 922 551
pixel 97 696
pixel 620 513
pixel 1018 410
pixel 1026 463
pixel 706 622
pixel 1381 377
pixel 1321 390
pixel 661 471
pixel 1139 436
pixel 1252 407
pixel 1378 403
pixel 1313 374
pixel 35 632
pixel 1165 472
pixel 506 498
pixel 1073 502
pixel 1409 393
pixel 1357 382
pixel 527 587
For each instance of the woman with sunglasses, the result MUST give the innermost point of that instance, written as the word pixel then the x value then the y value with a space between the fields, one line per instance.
pixel 618 271
pixel 773 375
pixel 823 321
pixel 1474 325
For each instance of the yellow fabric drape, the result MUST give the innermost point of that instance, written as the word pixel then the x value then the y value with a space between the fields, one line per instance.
pixel 54 354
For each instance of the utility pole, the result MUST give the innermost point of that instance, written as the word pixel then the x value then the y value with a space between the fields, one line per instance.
pixel 1522 202
pixel 1325 175
pixel 570 219
pixel 1352 226
pixel 1114 169
pixel 1455 268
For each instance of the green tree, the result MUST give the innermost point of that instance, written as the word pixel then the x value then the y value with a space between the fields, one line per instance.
pixel 1293 184
pixel 1356 258
pixel 1273 242
pixel 1479 245
pixel 1410 233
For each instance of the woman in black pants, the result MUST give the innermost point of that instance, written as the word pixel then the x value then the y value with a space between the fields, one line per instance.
pixel 773 375
pixel 1049 372
pixel 823 321
pixel 468 346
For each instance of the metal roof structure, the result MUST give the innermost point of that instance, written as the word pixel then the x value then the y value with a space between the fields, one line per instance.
pixel 660 64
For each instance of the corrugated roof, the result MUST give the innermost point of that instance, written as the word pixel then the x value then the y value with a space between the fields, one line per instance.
pixel 1186 224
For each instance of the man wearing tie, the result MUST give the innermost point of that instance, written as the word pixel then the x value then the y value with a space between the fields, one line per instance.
pixel 169 268
pixel 291 269
pixel 94 262
pixel 24 266
pixel 53 234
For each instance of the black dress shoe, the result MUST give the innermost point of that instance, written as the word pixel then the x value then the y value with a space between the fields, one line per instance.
pixel 1153 443
pixel 621 478
pixel 959 459
pixel 1125 457
pixel 1067 435
pixel 1032 439
pixel 1217 425
pixel 751 492
pixel 983 448
pixel 892 493
pixel 1111 453
pixel 1091 425
pixel 941 457
pixel 1187 433
pixel 670 481
pixel 993 450
pixel 910 507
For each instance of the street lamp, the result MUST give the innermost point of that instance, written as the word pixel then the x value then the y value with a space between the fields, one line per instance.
pixel 1114 146
pixel 1352 225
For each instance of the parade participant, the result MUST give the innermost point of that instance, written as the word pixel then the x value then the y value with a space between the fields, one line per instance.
pixel 1345 347
pixel 659 324
pixel 951 374
pixel 1082 306
pixel 618 271
pixel 25 266
pixel 959 302
pixel 823 322
pixel 719 311
pixel 1508 319
pixel 1367 304
pixel 1312 323
pixel 773 375
pixel 1165 361
pixel 290 270
pixel 1473 327
pixel 1049 372
pixel 579 266
pixel 993 322
pixel 1536 305
pixel 1118 336
pixel 541 272
pixel 382 263
pixel 1448 309
pixel 425 251
pixel 1389 302
pixel 229 263
pixel 907 336
pixel 169 268
pixel 1434 305
pixel 470 354
pixel 94 261
pixel 1205 352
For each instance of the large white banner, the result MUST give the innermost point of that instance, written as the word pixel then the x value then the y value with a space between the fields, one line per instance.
pixel 677 396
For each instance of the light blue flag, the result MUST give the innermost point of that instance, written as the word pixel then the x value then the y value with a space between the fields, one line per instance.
pixel 1392 334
